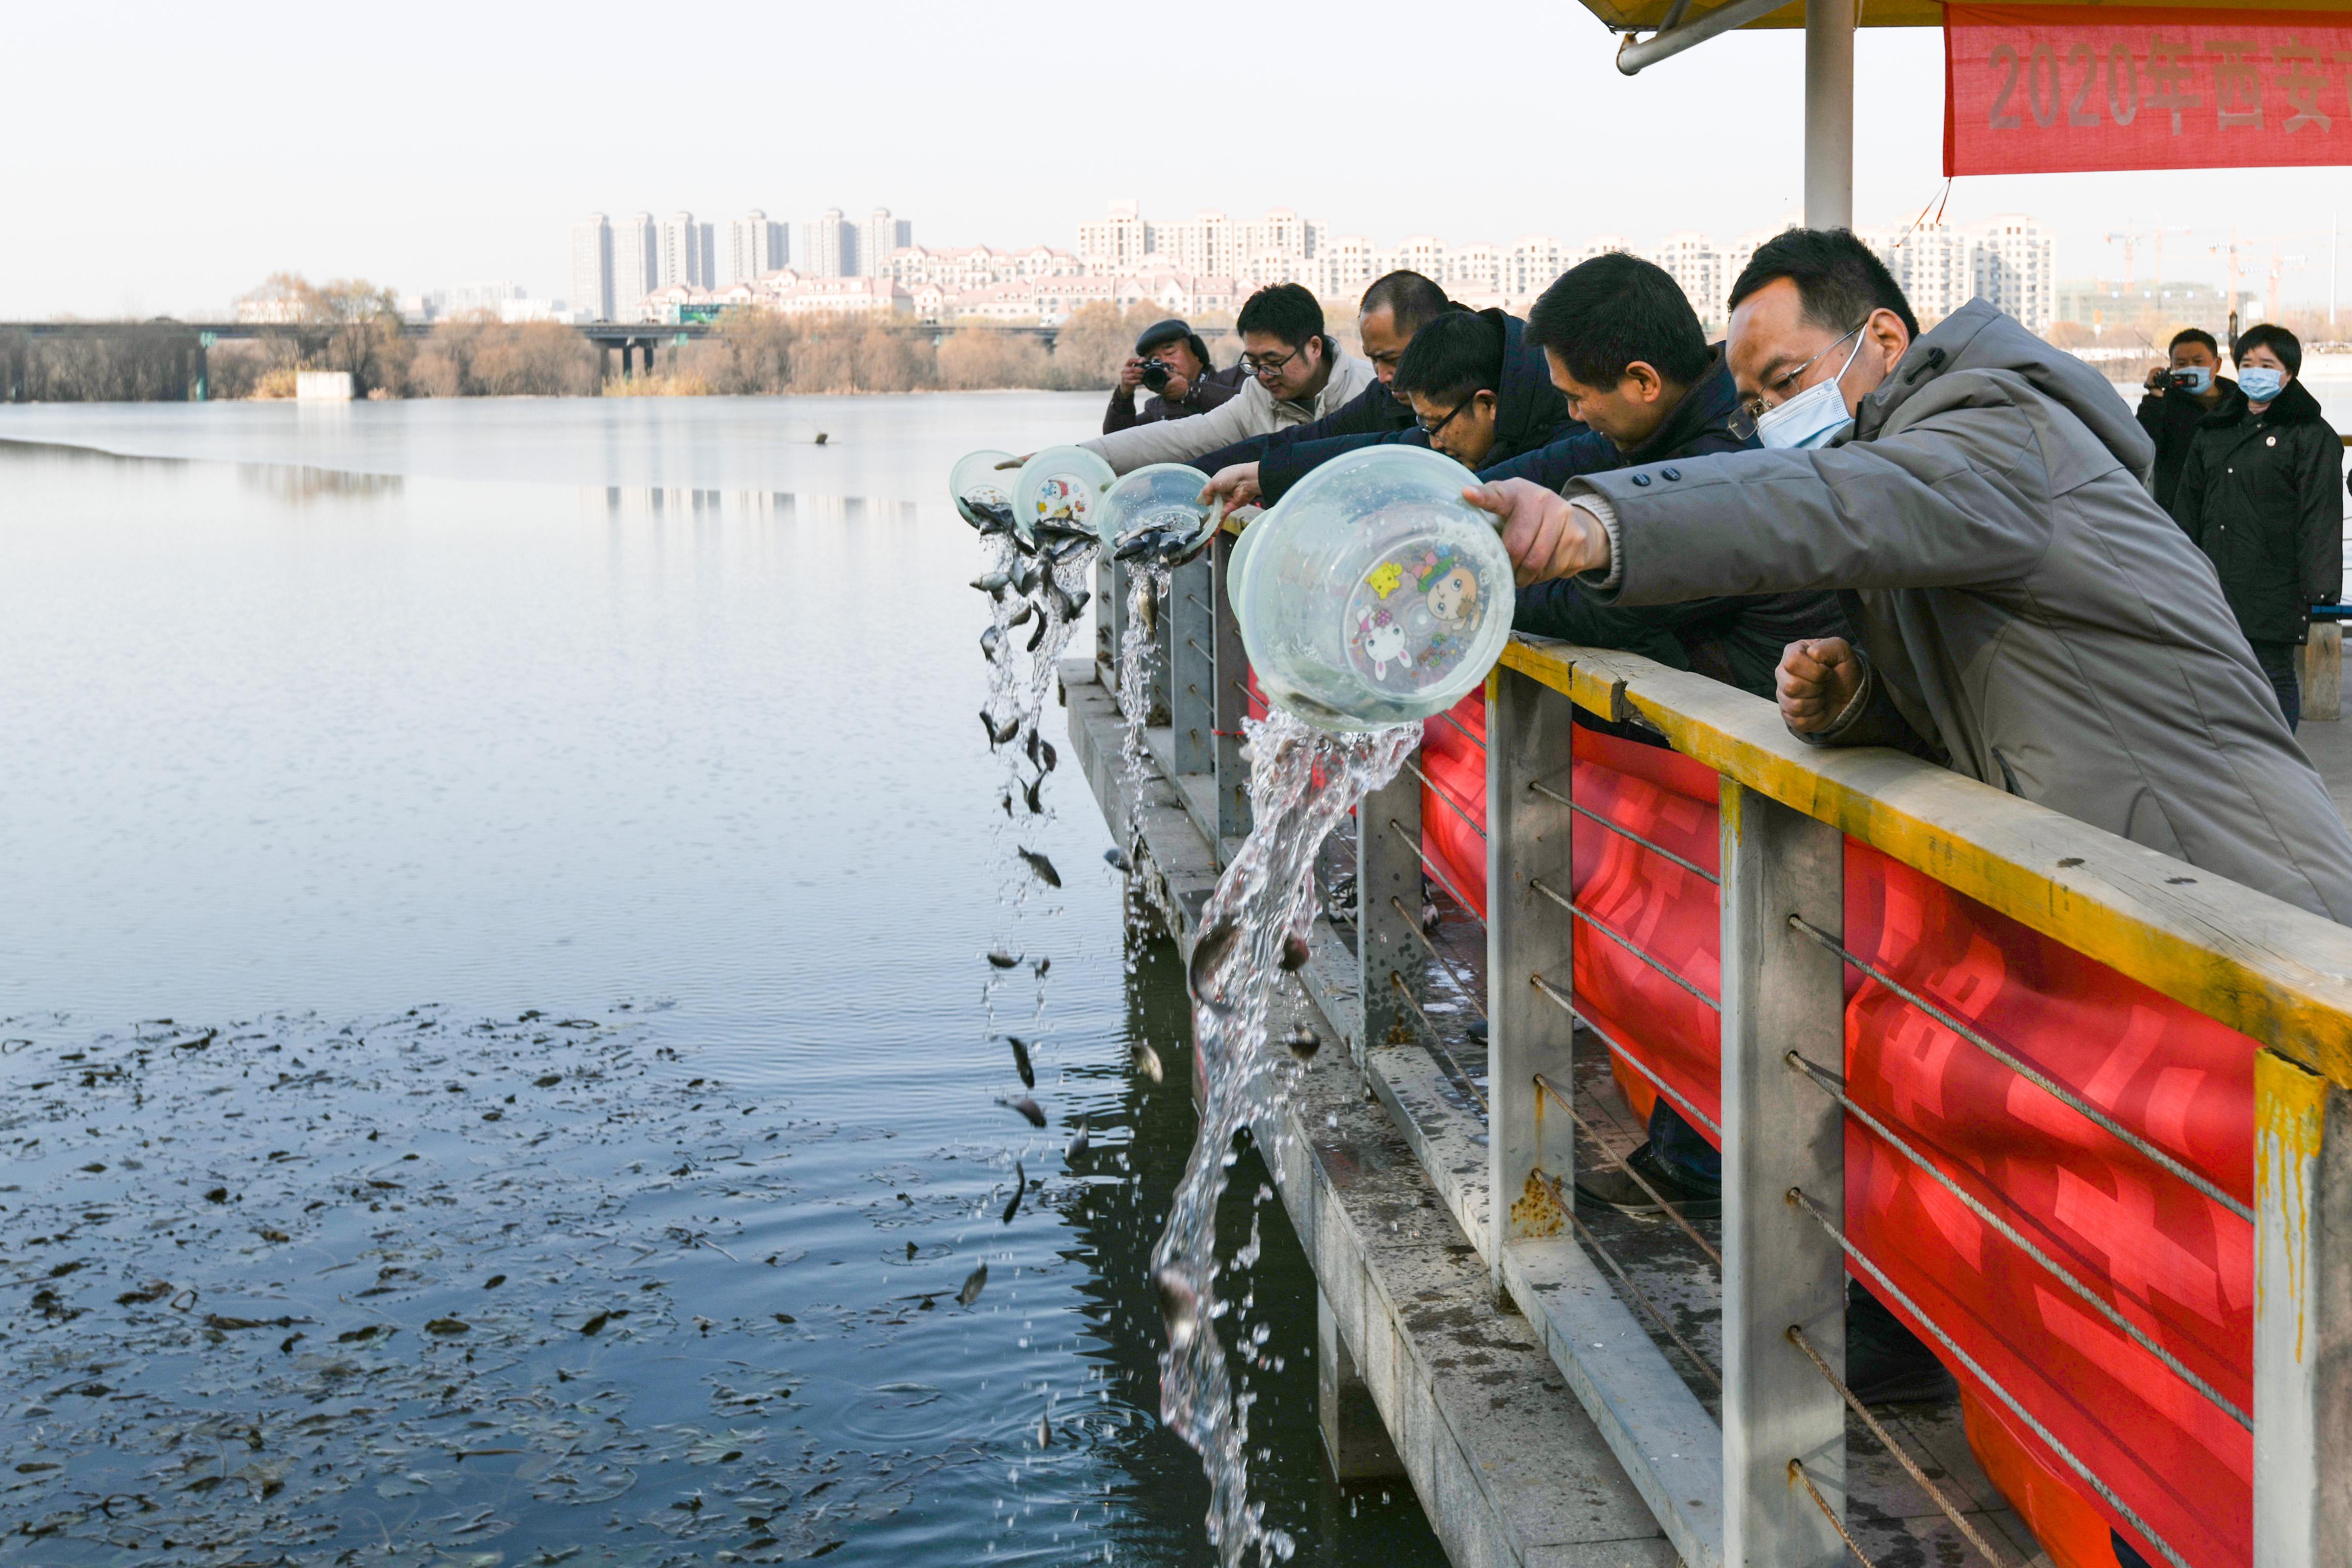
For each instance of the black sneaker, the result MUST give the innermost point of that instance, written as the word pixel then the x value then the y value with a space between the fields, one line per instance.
pixel 1612 1188
pixel 1885 1362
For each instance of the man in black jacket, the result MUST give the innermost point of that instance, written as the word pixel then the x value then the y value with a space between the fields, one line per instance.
pixel 2258 494
pixel 2178 395
pixel 1190 386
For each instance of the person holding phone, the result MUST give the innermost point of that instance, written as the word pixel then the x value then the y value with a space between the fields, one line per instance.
pixel 2178 395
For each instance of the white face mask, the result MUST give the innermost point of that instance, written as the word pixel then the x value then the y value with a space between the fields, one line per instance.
pixel 1812 418
pixel 2261 383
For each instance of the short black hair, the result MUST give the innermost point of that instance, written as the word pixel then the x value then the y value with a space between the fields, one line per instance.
pixel 1459 353
pixel 1412 300
pixel 2195 335
pixel 1602 315
pixel 1840 281
pixel 1285 311
pixel 2274 337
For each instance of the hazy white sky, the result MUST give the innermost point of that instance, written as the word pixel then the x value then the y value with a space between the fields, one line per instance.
pixel 193 150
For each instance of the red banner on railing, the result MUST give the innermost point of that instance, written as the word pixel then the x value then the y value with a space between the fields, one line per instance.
pixel 2046 89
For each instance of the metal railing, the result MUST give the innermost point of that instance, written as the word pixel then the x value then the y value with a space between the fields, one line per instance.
pixel 1776 1496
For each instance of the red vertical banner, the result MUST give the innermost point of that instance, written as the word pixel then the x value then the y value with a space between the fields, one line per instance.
pixel 2031 89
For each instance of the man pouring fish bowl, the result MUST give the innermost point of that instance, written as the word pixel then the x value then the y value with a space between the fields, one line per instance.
pixel 2026 614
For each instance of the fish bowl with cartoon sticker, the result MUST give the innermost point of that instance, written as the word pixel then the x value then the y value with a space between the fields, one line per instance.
pixel 1374 594
pixel 1161 500
pixel 1057 493
pixel 984 494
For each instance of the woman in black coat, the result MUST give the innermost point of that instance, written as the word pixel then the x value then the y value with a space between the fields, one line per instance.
pixel 2258 494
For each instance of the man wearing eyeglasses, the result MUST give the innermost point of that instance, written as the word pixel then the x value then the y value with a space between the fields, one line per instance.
pixel 1296 374
pixel 2023 608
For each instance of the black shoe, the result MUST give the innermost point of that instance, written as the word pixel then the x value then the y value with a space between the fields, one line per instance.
pixel 1886 1363
pixel 1612 1188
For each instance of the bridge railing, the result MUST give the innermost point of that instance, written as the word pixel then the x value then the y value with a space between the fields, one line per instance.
pixel 2108 1093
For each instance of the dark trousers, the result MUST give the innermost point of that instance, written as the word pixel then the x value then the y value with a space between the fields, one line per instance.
pixel 2282 661
pixel 1682 1149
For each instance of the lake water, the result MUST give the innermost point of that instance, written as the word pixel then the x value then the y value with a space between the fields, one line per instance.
pixel 499 1063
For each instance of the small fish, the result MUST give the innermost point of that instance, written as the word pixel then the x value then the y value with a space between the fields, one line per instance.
pixel 1020 1062
pixel 1020 1187
pixel 1029 793
pixel 1078 1143
pixel 1044 1432
pixel 1021 617
pixel 1429 914
pixel 1180 1308
pixel 1295 954
pixel 1027 1106
pixel 1003 959
pixel 1116 858
pixel 990 517
pixel 993 581
pixel 1040 967
pixel 973 1284
pixel 1039 636
pixel 991 641
pixel 1208 954
pixel 1000 734
pixel 1147 1062
pixel 910 1252
pixel 1073 604
pixel 1035 740
pixel 1303 1042
pixel 1043 867
pixel 1046 750
pixel 1005 800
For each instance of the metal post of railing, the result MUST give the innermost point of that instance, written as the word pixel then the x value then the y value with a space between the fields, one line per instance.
pixel 1163 661
pixel 1110 613
pixel 1529 730
pixel 1388 894
pixel 1780 992
pixel 1191 673
pixel 2303 1318
pixel 1229 668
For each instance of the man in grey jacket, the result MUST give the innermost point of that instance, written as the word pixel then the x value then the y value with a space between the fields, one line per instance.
pixel 1296 372
pixel 2025 611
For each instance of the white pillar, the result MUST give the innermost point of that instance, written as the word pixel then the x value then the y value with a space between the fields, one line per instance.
pixel 1829 113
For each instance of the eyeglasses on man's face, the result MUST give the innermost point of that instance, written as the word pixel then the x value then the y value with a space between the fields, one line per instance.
pixel 1782 387
pixel 1267 366
pixel 1431 430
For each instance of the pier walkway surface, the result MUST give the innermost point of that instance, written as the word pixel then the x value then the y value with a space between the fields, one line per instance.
pixel 1572 1387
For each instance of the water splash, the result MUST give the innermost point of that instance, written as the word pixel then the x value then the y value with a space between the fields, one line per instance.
pixel 1139 647
pixel 1303 783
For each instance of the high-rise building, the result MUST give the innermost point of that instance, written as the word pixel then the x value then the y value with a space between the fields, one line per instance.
pixel 2009 259
pixel 689 253
pixel 755 247
pixel 636 264
pixel 884 233
pixel 592 267
pixel 828 247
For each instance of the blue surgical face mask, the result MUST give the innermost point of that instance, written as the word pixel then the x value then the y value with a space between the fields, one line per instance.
pixel 1814 418
pixel 2199 378
pixel 2260 383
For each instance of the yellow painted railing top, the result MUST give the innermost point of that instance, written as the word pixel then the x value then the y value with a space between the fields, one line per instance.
pixel 2262 966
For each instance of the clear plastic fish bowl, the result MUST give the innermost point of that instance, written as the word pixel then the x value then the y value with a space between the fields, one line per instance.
pixel 1164 495
pixel 984 496
pixel 1057 493
pixel 1374 594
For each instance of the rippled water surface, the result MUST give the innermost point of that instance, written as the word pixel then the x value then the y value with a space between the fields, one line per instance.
pixel 499 1062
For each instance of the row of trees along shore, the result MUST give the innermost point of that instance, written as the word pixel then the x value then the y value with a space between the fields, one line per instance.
pixel 348 325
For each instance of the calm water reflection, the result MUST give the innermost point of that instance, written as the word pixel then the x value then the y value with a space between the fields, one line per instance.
pixel 584 800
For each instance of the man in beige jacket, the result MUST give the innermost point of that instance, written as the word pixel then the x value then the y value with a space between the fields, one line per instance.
pixel 1296 374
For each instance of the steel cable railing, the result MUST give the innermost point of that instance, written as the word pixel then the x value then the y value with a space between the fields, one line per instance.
pixel 1894 1292
pixel 1396 984
pixel 1430 866
pixel 1469 992
pixel 1567 1205
pixel 1621 831
pixel 1450 804
pixel 1796 1472
pixel 1657 1197
pixel 1627 943
pixel 2041 1081
pixel 1569 1007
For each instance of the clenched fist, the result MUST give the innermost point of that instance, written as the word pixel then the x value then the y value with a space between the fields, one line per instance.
pixel 1816 679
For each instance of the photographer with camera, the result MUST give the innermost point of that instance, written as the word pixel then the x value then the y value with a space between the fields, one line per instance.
pixel 1172 363
pixel 2178 395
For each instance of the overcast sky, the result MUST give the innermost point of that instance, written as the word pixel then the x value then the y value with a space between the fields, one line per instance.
pixel 173 162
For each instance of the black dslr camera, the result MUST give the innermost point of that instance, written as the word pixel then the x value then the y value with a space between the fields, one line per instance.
pixel 1155 373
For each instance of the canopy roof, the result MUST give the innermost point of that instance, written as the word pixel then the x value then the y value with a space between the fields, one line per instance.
pixel 1646 16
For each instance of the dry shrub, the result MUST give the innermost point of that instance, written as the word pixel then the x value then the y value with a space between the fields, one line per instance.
pixel 477 355
pixel 278 381
pixel 672 384
pixel 975 359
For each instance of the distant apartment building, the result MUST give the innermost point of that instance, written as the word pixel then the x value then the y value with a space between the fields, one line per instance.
pixel 2006 260
pixel 884 238
pixel 636 264
pixel 828 247
pixel 1275 249
pixel 756 247
pixel 592 267
pixel 788 293
pixel 689 253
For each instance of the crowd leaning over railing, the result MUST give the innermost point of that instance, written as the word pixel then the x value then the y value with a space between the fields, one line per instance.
pixel 1961 542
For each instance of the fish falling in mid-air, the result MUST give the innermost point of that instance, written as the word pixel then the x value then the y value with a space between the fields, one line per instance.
pixel 998 733
pixel 1078 1142
pixel 1209 954
pixel 994 582
pixel 1003 959
pixel 1040 967
pixel 1021 617
pixel 1027 1106
pixel 1036 636
pixel 1147 1062
pixel 991 641
pixel 1040 752
pixel 1295 954
pixel 1020 1062
pixel 1045 1431
pixel 1029 793
pixel 1303 1042
pixel 1020 1186
pixel 973 1284
pixel 1116 858
pixel 1043 867
pixel 1180 1308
